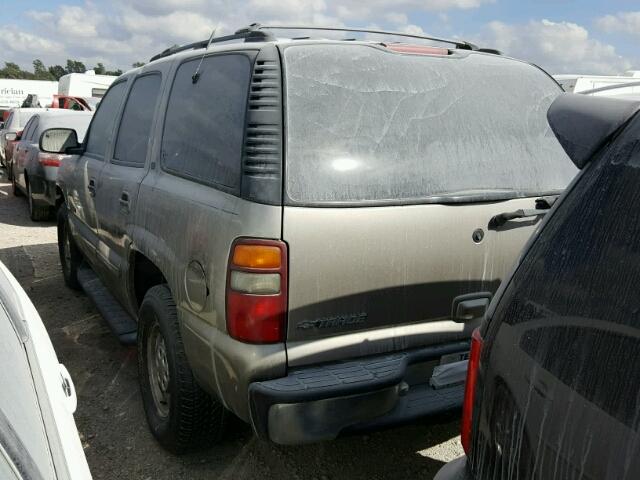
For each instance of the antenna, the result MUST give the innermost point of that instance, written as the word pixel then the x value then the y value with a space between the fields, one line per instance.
pixel 196 75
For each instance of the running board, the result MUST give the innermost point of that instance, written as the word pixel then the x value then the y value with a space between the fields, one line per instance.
pixel 119 321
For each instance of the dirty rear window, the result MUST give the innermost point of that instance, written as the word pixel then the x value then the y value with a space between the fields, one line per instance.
pixel 366 125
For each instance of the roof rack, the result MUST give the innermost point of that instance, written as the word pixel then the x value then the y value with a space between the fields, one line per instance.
pixel 458 43
pixel 255 33
pixel 243 34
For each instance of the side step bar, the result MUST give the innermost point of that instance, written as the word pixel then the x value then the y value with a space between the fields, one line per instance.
pixel 119 321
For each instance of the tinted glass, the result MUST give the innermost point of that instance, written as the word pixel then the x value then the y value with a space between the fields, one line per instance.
pixel 33 130
pixel 570 322
pixel 204 126
pixel 102 123
pixel 135 126
pixel 364 125
pixel 28 128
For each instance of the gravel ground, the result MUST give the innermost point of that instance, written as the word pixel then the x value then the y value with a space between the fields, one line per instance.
pixel 110 417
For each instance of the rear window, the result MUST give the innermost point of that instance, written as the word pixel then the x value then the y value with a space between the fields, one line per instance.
pixel 365 125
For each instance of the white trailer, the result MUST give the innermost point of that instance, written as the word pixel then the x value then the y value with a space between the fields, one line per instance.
pixel 629 83
pixel 86 84
pixel 13 92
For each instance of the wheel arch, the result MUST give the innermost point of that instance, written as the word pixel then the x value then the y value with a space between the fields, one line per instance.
pixel 144 274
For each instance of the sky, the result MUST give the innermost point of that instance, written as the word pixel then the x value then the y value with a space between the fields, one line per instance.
pixel 562 36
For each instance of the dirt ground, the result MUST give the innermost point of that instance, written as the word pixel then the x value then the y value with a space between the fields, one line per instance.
pixel 110 418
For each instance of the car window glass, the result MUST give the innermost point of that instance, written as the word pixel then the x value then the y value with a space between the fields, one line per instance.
pixel 33 130
pixel 100 129
pixel 27 129
pixel 364 126
pixel 135 127
pixel 204 126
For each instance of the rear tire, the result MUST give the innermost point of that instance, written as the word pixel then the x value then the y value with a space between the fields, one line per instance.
pixel 14 188
pixel 70 256
pixel 37 213
pixel 181 416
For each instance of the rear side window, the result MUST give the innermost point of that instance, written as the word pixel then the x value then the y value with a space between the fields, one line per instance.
pixel 574 300
pixel 33 129
pixel 27 130
pixel 204 125
pixel 135 127
pixel 100 130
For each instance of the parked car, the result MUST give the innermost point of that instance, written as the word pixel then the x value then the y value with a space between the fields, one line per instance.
pixel 11 139
pixel 70 103
pixel 15 122
pixel 320 290
pixel 34 169
pixel 38 436
pixel 552 388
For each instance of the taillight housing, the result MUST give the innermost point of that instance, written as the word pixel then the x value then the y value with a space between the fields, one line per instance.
pixel 470 390
pixel 257 284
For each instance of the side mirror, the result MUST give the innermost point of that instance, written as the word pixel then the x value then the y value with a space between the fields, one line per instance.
pixel 58 140
pixel 1 125
pixel 11 136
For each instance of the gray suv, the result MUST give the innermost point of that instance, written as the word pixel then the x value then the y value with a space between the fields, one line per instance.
pixel 290 228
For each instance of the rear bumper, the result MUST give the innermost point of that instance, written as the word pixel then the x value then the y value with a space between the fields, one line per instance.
pixel 454 470
pixel 318 403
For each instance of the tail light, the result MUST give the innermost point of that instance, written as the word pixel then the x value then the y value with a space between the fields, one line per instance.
pixel 257 287
pixel 470 390
pixel 49 159
pixel 417 49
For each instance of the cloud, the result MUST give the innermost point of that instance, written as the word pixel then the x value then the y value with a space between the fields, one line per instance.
pixel 120 32
pixel 623 22
pixel 558 47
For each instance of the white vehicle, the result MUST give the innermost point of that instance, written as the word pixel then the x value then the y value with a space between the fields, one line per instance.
pixel 17 119
pixel 601 85
pixel 38 435
pixel 14 92
pixel 86 84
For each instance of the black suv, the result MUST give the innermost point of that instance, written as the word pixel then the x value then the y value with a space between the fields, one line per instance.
pixel 553 387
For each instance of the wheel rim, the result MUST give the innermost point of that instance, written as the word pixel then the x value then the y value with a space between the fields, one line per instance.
pixel 158 368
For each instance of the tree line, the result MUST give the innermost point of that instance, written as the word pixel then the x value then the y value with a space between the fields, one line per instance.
pixel 54 72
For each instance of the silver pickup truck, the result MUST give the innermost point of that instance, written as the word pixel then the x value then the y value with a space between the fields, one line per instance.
pixel 290 229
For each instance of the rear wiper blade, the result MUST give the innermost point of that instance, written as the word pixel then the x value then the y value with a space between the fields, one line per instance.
pixel 543 204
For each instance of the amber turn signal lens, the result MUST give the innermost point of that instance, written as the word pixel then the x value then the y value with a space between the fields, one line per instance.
pixel 256 256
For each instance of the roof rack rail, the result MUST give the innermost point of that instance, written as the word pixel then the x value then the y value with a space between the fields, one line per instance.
pixel 255 33
pixel 461 44
pixel 246 34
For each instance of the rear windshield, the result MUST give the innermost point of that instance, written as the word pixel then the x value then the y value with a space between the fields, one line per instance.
pixel 365 125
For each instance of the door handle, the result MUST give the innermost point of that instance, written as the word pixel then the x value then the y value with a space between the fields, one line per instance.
pixel 471 306
pixel 124 200
pixel 92 187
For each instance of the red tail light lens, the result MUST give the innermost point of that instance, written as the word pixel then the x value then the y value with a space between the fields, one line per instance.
pixel 417 49
pixel 49 159
pixel 470 390
pixel 257 291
